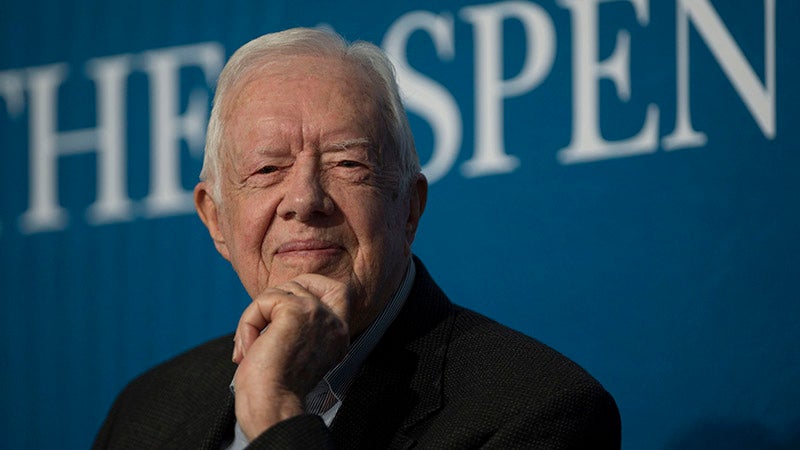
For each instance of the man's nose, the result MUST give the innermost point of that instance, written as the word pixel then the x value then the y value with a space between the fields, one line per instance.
pixel 305 197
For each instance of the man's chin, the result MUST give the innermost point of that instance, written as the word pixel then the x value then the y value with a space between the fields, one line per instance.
pixel 289 268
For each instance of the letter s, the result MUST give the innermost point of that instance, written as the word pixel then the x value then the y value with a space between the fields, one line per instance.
pixel 421 94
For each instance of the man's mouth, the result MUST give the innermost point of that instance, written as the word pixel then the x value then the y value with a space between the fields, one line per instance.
pixel 308 247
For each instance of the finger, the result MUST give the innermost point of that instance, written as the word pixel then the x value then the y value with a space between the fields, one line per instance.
pixel 333 294
pixel 254 320
pixel 293 288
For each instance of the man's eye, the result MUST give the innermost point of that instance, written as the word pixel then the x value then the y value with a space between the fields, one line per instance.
pixel 267 169
pixel 349 164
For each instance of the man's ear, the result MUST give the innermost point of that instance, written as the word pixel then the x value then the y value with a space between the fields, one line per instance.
pixel 208 211
pixel 416 199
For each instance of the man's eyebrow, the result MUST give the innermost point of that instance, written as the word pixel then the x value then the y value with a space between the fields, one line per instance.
pixel 347 143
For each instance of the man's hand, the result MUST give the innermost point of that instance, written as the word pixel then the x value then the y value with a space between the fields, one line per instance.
pixel 286 340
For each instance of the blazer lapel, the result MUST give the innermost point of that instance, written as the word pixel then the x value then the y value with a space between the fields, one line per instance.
pixel 399 384
pixel 208 428
pixel 221 427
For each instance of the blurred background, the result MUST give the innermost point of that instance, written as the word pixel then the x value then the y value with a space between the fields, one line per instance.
pixel 618 179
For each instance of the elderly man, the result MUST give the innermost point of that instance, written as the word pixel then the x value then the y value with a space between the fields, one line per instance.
pixel 311 188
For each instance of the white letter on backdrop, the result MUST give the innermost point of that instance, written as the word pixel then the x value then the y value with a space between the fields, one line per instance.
pixel 47 144
pixel 421 94
pixel 760 99
pixel 587 141
pixel 490 87
pixel 169 126
pixel 113 204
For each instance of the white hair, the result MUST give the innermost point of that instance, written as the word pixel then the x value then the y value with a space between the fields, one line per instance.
pixel 368 58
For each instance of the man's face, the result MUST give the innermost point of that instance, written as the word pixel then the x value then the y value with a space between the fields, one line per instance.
pixel 303 187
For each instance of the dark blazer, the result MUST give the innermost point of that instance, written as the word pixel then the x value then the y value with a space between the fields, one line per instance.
pixel 441 377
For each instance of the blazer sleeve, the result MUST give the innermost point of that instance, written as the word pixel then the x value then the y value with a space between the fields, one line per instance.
pixel 582 418
pixel 306 431
pixel 103 436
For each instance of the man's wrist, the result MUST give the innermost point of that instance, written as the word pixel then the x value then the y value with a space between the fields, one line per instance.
pixel 254 419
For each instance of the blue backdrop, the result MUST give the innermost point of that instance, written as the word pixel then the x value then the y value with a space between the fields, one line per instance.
pixel 617 178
